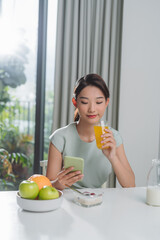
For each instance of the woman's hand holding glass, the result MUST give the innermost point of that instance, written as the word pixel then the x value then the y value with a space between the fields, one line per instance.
pixel 66 177
pixel 108 145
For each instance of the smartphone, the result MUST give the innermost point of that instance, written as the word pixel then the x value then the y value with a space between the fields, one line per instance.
pixel 76 162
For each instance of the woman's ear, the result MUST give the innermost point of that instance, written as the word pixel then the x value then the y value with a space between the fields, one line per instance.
pixel 107 102
pixel 74 102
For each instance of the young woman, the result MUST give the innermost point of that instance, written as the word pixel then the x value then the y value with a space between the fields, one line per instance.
pixel 91 97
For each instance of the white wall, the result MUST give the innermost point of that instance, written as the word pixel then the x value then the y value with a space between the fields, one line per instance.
pixel 140 84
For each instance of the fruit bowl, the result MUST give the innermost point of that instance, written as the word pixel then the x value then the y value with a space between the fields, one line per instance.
pixel 39 205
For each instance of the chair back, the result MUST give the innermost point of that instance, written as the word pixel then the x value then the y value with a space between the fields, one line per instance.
pixel 43 164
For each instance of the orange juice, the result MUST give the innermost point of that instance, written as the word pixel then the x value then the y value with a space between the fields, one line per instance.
pixel 99 130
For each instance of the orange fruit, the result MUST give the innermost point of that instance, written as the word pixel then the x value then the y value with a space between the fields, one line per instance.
pixel 41 180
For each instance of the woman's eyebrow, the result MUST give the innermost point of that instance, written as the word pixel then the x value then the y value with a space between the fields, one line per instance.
pixel 83 98
pixel 88 98
pixel 99 97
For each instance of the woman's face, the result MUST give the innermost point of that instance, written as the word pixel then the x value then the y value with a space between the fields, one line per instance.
pixel 91 104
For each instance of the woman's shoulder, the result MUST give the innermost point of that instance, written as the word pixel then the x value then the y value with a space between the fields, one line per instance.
pixel 63 130
pixel 116 132
pixel 59 137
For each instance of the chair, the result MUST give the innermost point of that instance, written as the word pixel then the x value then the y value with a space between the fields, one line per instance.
pixel 43 164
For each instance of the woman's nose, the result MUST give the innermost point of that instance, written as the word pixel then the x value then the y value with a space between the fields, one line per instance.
pixel 91 107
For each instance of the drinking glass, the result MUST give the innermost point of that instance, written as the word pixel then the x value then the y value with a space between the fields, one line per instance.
pixel 99 130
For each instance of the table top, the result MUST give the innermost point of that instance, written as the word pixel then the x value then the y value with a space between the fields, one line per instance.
pixel 122 215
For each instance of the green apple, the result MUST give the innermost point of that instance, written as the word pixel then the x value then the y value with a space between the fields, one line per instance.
pixel 28 189
pixel 48 192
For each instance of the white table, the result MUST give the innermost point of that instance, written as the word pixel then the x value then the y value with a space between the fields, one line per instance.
pixel 122 215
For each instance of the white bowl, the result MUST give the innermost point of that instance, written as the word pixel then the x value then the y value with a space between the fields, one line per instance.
pixel 39 205
pixel 95 199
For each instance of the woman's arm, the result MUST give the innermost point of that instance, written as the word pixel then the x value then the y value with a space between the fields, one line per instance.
pixel 118 159
pixel 122 168
pixel 55 172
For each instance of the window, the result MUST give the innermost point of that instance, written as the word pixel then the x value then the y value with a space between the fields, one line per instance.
pixel 18 87
pixel 50 63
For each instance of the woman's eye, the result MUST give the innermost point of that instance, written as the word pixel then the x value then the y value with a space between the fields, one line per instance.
pixel 99 102
pixel 84 102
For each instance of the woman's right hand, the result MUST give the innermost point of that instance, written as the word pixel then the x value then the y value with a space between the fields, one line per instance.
pixel 66 177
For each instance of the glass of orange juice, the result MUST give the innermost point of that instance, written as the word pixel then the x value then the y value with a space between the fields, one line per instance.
pixel 99 130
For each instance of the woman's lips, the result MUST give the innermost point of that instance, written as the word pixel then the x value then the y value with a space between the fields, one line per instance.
pixel 91 116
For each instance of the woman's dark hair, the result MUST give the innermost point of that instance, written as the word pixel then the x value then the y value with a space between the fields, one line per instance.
pixel 89 80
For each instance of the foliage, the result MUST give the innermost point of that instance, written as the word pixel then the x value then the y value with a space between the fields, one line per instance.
pixel 8 176
pixel 12 71
pixel 15 162
pixel 4 97
pixel 6 185
pixel 10 110
pixel 12 67
pixel 48 122
pixel 10 137
pixel 14 141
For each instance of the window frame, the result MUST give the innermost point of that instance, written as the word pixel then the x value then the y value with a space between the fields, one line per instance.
pixel 40 84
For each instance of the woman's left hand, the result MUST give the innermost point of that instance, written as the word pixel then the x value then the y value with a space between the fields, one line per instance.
pixel 109 145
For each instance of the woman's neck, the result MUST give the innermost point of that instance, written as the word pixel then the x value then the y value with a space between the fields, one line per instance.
pixel 85 131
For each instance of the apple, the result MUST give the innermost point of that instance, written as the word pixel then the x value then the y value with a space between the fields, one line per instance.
pixel 48 192
pixel 28 189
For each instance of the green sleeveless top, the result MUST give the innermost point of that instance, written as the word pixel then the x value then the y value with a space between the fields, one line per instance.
pixel 96 166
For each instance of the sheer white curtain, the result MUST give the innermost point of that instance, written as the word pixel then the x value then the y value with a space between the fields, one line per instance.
pixel 88 41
